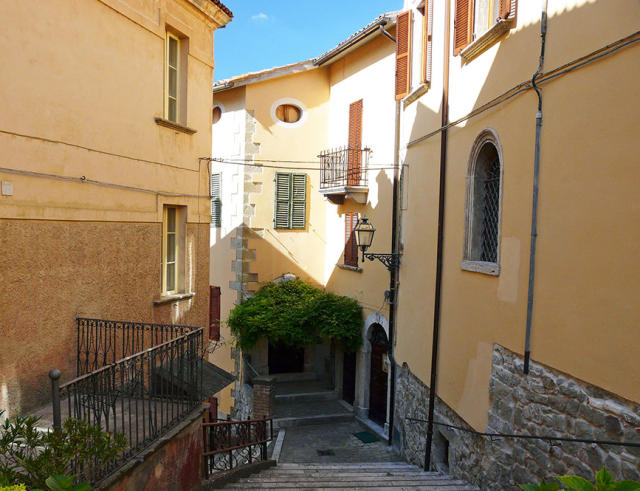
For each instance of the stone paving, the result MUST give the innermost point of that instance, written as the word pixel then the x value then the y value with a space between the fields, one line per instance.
pixel 301 445
pixel 307 409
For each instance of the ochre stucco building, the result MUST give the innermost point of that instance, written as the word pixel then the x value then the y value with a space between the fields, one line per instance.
pixel 104 211
pixel 537 341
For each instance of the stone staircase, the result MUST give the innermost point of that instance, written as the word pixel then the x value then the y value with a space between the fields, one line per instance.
pixel 302 403
pixel 342 477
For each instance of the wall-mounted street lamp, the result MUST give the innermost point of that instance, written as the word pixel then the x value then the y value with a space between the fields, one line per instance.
pixel 364 238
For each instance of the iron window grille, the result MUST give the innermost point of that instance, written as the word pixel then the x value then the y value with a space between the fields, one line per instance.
pixel 491 213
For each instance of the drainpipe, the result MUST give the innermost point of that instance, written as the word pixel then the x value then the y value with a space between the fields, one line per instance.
pixel 439 254
pixel 393 282
pixel 536 174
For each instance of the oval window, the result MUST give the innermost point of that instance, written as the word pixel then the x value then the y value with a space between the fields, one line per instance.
pixel 288 113
pixel 217 114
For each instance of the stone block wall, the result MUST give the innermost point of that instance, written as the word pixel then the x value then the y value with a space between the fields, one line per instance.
pixel 544 403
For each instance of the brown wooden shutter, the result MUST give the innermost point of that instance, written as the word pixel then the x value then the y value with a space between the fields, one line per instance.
pixel 354 159
pixel 427 22
pixel 508 9
pixel 462 25
pixel 350 244
pixel 214 313
pixel 403 55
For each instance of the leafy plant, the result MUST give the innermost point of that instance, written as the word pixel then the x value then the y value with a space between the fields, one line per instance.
pixel 17 487
pixel 296 314
pixel 604 482
pixel 36 457
pixel 64 483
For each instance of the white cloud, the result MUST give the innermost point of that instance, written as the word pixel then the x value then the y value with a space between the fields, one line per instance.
pixel 260 16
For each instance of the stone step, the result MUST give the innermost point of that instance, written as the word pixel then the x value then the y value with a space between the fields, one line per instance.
pixel 322 395
pixel 361 465
pixel 343 477
pixel 311 420
pixel 357 485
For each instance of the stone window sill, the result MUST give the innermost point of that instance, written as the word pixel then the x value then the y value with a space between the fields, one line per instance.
pixel 357 269
pixel 176 297
pixel 487 39
pixel 416 94
pixel 483 267
pixel 175 126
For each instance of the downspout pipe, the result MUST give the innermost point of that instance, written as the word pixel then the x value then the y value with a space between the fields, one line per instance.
pixel 536 175
pixel 439 253
pixel 393 280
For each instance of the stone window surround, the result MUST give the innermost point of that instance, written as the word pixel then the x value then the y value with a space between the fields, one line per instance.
pixel 487 135
pixel 294 102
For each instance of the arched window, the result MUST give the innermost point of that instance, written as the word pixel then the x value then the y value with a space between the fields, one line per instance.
pixel 484 193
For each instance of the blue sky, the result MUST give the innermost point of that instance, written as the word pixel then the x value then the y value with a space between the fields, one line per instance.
pixel 264 34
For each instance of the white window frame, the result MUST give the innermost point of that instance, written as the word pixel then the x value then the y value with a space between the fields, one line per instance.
pixel 179 249
pixel 168 67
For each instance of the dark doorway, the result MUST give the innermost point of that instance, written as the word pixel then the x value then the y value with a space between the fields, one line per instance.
pixel 349 377
pixel 285 359
pixel 379 377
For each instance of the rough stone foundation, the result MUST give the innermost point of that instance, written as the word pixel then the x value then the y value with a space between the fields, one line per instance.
pixel 544 403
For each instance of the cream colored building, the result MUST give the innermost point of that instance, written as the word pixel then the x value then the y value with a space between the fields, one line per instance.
pixel 104 210
pixel 273 126
pixel 551 354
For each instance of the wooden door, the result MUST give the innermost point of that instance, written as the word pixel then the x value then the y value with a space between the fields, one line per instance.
pixel 349 377
pixel 285 359
pixel 379 377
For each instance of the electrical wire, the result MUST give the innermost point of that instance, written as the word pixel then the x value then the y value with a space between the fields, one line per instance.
pixel 247 163
pixel 527 85
pixel 83 179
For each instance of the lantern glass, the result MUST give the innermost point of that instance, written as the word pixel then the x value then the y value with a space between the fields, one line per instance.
pixel 364 234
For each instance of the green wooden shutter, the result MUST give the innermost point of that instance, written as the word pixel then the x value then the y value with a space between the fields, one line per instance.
pixel 299 201
pixel 216 201
pixel 281 207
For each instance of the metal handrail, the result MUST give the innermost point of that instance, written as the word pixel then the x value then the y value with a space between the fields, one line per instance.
pixel 529 437
pixel 231 444
pixel 344 166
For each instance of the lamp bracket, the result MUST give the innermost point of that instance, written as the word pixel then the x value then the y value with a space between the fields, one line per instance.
pixel 391 261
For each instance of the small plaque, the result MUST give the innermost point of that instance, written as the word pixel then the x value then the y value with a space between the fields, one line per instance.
pixel 7 188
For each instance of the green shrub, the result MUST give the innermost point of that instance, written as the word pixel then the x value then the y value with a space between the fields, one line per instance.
pixel 34 457
pixel 296 314
pixel 16 487
pixel 603 482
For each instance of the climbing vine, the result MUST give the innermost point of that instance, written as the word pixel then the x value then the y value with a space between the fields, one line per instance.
pixel 296 314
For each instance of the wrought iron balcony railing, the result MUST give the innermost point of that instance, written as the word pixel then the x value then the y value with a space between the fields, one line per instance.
pixel 133 378
pixel 344 167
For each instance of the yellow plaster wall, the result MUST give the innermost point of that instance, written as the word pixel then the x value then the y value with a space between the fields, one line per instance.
pixel 585 319
pixel 91 170
pixel 367 74
pixel 300 252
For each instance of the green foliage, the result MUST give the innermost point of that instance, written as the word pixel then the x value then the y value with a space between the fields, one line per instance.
pixel 296 314
pixel 40 458
pixel 17 487
pixel 65 483
pixel 543 486
pixel 604 482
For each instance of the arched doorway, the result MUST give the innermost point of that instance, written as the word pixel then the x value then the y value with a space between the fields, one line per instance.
pixel 378 375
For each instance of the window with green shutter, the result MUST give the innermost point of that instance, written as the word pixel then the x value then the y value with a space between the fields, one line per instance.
pixel 290 206
pixel 216 201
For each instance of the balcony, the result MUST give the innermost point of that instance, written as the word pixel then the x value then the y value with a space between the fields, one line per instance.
pixel 343 174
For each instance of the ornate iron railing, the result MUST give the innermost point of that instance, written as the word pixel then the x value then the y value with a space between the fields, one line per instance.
pixel 230 444
pixel 344 166
pixel 101 342
pixel 143 395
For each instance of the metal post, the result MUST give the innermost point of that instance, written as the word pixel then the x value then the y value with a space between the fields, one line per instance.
pixel 54 375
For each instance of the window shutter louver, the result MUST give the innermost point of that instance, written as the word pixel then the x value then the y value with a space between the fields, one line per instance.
pixel 462 25
pixel 508 9
pixel 299 201
pixel 216 200
pixel 214 313
pixel 283 199
pixel 427 26
pixel 403 55
pixel 350 247
pixel 354 161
